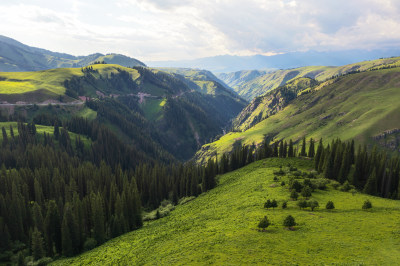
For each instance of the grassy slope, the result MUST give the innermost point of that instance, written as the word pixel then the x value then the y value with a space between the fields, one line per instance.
pixel 237 79
pixel 205 81
pixel 40 129
pixel 220 227
pixel 357 106
pixel 49 81
pixel 263 106
pixel 269 81
pixel 152 108
pixel 119 59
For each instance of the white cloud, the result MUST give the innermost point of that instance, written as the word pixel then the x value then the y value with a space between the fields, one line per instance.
pixel 174 29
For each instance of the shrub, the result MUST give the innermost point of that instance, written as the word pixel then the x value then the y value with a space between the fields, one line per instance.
pixel 89 244
pixel 302 204
pixel 367 205
pixel 296 185
pixel 279 173
pixel 294 195
pixel 346 186
pixel 313 204
pixel 320 183
pixel 274 204
pixel 264 223
pixel 330 205
pixel 43 261
pixel 296 174
pixel 307 182
pixel 284 205
pixel 289 221
pixel 267 204
pixel 335 184
pixel 283 183
pixel 276 178
pixel 306 192
pixel 353 191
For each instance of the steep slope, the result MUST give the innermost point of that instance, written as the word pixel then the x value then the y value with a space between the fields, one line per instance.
pixel 237 79
pixel 15 56
pixel 261 84
pixel 156 104
pixel 203 81
pixel 272 102
pixel 220 227
pixel 362 106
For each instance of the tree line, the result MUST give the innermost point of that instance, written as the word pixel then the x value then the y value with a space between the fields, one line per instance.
pixel 372 171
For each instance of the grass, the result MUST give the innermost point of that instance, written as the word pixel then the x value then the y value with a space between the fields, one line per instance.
pixel 152 108
pixel 87 113
pixel 220 227
pixel 40 130
pixel 261 84
pixel 48 82
pixel 357 106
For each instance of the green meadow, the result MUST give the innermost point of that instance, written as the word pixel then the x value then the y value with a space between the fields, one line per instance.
pixel 220 227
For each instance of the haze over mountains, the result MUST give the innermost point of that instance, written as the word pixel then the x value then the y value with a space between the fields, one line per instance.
pixel 15 56
pixel 231 63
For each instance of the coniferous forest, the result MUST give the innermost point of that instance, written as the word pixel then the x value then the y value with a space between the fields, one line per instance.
pixel 58 197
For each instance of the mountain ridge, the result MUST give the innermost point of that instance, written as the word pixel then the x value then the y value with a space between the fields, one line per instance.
pixel 260 83
pixel 18 57
pixel 232 63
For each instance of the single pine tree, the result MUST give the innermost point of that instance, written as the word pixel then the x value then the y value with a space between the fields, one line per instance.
pixel 311 149
pixel 303 148
pixel 289 221
pixel 330 205
pixel 264 223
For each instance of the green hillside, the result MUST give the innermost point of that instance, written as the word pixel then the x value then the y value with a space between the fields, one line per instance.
pixel 180 118
pixel 239 78
pixel 362 106
pixel 49 84
pixel 203 81
pixel 260 84
pixel 220 227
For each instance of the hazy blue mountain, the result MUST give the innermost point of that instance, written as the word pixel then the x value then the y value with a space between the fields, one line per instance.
pixel 229 63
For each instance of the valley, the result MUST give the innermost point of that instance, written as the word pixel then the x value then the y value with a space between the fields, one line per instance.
pixel 105 160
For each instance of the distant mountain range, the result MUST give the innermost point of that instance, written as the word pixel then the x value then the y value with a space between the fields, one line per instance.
pixel 230 63
pixel 16 57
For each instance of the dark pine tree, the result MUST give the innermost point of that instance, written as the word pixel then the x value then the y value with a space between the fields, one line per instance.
pixel 290 150
pixel 303 148
pixel 318 154
pixel 311 149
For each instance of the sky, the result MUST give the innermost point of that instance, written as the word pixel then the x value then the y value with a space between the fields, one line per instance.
pixel 155 30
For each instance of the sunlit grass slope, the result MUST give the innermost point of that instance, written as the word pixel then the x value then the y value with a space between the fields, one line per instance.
pixel 220 227
pixel 261 84
pixel 40 130
pixel 49 82
pixel 357 106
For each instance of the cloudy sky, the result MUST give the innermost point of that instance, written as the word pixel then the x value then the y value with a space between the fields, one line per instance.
pixel 175 29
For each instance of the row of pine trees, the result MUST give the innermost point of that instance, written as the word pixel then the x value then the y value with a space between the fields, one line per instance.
pixel 372 172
